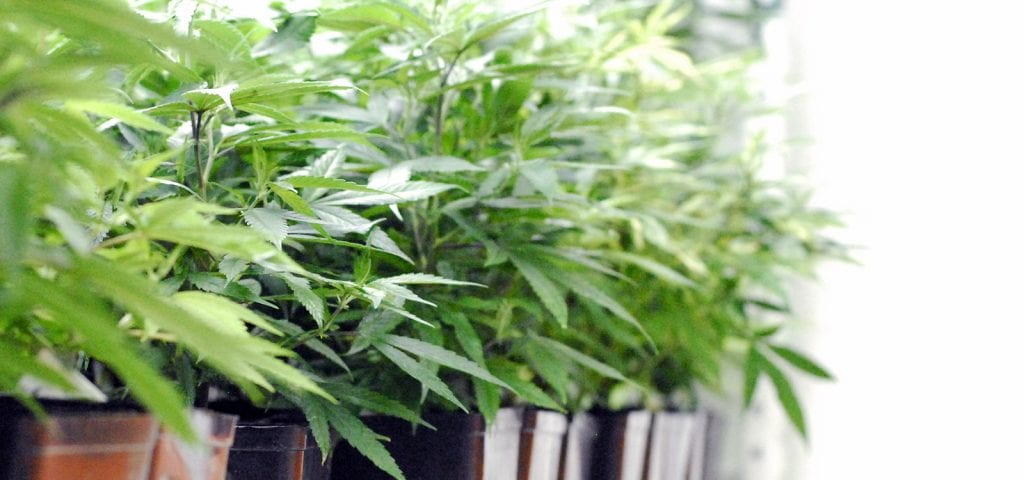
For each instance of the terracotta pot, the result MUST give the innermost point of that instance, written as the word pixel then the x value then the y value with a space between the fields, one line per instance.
pixel 460 449
pixel 619 449
pixel 275 452
pixel 80 445
pixel 671 448
pixel 540 445
pixel 175 459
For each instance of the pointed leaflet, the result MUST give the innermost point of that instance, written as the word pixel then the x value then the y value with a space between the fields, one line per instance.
pixel 222 308
pixel 581 358
pixel 550 366
pixel 581 287
pixel 357 434
pixel 440 164
pixel 269 222
pixel 508 372
pixel 78 311
pixel 380 239
pixel 651 266
pixel 330 183
pixel 425 279
pixel 787 397
pixel 305 295
pixel 442 356
pixel 800 361
pixel 121 113
pixel 550 295
pixel 373 401
pixel 389 194
pixel 418 371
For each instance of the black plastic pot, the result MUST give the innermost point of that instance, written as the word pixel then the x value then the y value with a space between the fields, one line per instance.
pixel 461 448
pixel 275 452
pixel 607 446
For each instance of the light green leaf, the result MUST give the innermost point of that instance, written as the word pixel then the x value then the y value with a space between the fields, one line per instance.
pixel 425 279
pixel 650 266
pixel 389 194
pixel 787 397
pixel 305 295
pixel 122 113
pixel 269 222
pixel 220 307
pixel 330 183
pixel 380 239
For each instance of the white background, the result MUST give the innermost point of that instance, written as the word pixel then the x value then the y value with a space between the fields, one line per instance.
pixel 916 111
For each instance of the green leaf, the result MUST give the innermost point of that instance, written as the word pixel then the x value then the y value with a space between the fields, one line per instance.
pixel 800 361
pixel 579 286
pixel 373 401
pixel 305 295
pixel 222 308
pixel 465 334
pixel 425 279
pixel 418 371
pixel 388 194
pixel 16 361
pixel 77 310
pixel 357 434
pixel 269 222
pixel 581 358
pixel 317 413
pixel 787 397
pixel 651 266
pixel 550 366
pixel 507 371
pixel 331 183
pixel 122 113
pixel 550 295
pixel 367 14
pixel 380 239
pixel 752 373
pixel 443 356
pixel 493 27
pixel 15 219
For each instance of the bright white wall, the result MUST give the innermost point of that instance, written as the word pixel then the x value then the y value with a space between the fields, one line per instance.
pixel 916 107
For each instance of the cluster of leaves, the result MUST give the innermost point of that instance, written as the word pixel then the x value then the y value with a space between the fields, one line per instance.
pixel 311 207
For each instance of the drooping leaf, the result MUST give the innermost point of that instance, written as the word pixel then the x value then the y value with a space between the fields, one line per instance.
pixel 357 434
pixel 800 361
pixel 580 358
pixel 443 356
pixel 418 371
pixel 550 295
pixel 122 113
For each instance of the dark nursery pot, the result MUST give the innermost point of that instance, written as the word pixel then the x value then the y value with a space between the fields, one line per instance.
pixel 671 449
pixel 577 454
pixel 176 459
pixel 461 448
pixel 617 449
pixel 78 443
pixel 275 452
pixel 540 445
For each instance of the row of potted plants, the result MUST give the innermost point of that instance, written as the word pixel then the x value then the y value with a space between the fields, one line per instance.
pixel 387 208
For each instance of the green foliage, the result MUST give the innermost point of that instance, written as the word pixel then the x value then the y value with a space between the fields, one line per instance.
pixel 376 191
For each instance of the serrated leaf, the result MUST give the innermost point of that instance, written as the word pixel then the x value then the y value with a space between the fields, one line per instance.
pixel 364 15
pixel 330 183
pixel 373 401
pixel 526 390
pixel 581 358
pixel 465 334
pixel 357 434
pixel 800 361
pixel 390 194
pixel 305 295
pixel 751 375
pixel 549 365
pixel 380 239
pixel 122 113
pixel 418 371
pixel 269 222
pixel 442 356
pixel 220 307
pixel 581 287
pixel 425 279
pixel 550 295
